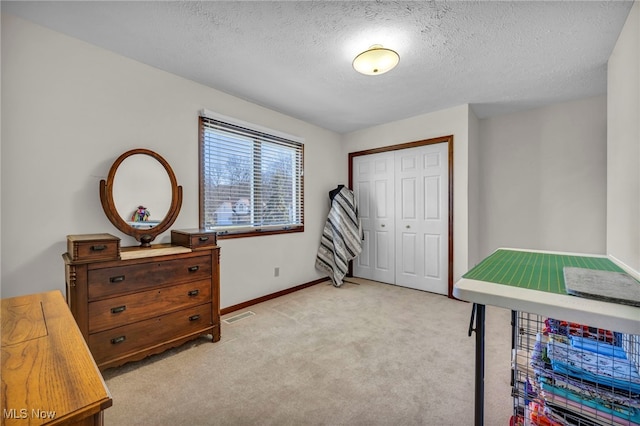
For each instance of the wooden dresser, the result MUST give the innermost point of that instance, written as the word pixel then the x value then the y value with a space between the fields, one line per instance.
pixel 133 302
pixel 48 374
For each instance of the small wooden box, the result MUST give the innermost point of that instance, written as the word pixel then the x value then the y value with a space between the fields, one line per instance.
pixel 193 238
pixel 87 247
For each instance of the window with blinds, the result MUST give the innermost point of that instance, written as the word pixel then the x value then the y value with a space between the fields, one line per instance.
pixel 251 180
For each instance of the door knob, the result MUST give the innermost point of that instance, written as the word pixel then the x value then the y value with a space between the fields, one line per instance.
pixel 382 225
pixel 408 227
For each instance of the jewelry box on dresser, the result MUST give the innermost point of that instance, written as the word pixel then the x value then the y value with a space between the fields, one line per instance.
pixel 132 302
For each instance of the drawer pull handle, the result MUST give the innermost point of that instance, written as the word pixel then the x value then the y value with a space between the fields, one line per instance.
pixel 193 268
pixel 203 239
pixel 118 309
pixel 194 317
pixel 118 339
pixel 193 292
pixel 117 279
pixel 98 248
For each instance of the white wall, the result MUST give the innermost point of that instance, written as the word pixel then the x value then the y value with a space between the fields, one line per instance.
pixel 452 121
pixel 623 144
pixel 69 109
pixel 543 180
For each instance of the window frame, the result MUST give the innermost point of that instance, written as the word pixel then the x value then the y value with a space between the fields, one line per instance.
pixel 249 230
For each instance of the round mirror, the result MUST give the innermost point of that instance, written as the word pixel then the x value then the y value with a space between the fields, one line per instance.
pixel 141 196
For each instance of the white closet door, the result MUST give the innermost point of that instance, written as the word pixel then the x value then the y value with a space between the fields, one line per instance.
pixel 422 220
pixel 373 185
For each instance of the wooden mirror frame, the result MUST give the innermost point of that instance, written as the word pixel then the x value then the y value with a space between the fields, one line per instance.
pixel 144 236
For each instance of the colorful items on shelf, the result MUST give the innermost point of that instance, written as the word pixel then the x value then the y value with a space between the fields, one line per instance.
pixel 582 375
pixel 565 328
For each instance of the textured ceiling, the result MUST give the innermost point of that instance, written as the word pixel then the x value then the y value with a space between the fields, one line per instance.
pixel 295 56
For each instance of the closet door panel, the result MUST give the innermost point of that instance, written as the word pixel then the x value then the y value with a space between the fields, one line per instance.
pixel 421 173
pixel 406 264
pixel 373 187
pixel 363 197
pixel 432 256
pixel 408 213
pixel 435 223
pixel 382 251
pixel 408 191
pixel 409 247
pixel 362 263
pixel 433 206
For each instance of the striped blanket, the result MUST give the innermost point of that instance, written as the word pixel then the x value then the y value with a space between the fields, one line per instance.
pixel 341 238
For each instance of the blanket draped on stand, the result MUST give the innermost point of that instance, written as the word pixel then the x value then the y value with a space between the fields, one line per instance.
pixel 341 238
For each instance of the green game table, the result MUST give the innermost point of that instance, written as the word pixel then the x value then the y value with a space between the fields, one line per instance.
pixel 532 281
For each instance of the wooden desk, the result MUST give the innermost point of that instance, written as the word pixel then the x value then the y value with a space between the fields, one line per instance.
pixel 48 374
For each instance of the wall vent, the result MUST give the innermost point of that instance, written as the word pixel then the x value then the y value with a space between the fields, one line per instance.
pixel 238 317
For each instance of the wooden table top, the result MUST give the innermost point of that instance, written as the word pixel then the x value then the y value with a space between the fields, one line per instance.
pixel 48 373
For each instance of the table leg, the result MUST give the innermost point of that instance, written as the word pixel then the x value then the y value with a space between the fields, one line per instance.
pixel 479 313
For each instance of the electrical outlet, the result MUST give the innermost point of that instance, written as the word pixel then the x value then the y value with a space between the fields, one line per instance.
pixel 276 271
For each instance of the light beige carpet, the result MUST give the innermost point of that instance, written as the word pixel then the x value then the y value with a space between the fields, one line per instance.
pixel 368 354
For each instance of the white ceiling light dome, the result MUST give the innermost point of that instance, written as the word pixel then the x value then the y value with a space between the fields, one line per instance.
pixel 376 60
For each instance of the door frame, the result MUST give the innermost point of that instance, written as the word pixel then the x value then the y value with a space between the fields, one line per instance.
pixel 442 139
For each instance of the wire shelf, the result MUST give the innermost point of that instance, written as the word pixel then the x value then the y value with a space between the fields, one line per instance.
pixel 566 373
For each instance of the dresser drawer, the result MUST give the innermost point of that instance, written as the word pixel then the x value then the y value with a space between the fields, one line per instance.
pixel 104 282
pixel 128 339
pixel 193 238
pixel 117 311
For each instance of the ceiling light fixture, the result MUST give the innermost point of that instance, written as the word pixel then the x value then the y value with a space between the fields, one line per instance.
pixel 376 60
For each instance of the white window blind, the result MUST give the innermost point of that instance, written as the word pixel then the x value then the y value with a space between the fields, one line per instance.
pixel 251 180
